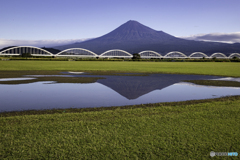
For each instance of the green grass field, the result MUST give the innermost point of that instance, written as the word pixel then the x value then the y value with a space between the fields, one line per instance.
pixel 179 130
pixel 162 132
pixel 207 68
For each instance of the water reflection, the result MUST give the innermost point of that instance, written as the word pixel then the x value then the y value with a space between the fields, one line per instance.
pixel 15 79
pixel 111 91
pixel 133 87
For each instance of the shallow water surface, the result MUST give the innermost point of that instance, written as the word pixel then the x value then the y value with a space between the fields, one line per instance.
pixel 111 91
pixel 15 79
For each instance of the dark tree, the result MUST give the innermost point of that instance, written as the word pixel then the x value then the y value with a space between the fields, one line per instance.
pixel 136 56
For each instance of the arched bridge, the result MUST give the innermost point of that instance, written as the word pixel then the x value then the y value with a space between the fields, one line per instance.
pixel 114 53
pixel 34 51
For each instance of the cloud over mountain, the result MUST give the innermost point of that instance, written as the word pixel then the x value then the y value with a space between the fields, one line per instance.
pixel 216 37
pixel 38 43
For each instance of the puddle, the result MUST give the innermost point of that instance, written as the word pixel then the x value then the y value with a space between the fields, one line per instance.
pixel 75 72
pixel 111 91
pixel 228 79
pixel 15 79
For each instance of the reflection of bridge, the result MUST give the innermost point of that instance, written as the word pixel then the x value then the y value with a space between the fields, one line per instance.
pixel 115 53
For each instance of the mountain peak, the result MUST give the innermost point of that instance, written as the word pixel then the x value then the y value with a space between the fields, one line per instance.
pixel 133 21
pixel 133 31
pixel 134 37
pixel 134 25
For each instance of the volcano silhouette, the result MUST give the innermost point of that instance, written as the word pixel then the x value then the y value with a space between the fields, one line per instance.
pixel 135 37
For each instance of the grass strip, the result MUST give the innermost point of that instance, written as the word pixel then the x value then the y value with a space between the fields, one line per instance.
pixel 210 68
pixel 19 73
pixel 14 74
pixel 56 80
pixel 189 131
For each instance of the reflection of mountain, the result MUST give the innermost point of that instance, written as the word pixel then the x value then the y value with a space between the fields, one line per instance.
pixel 133 87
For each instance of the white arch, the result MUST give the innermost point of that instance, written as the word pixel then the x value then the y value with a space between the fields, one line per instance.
pixel 184 56
pixel 197 53
pixel 2 53
pixel 117 50
pixel 224 56
pixel 157 55
pixel 233 55
pixel 81 49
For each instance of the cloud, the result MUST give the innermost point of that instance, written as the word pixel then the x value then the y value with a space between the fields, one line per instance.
pixel 216 37
pixel 38 43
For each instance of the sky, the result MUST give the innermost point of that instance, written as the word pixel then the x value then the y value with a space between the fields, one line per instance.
pixel 56 22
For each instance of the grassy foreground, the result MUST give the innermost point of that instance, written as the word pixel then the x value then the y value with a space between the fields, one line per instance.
pixel 161 132
pixel 205 68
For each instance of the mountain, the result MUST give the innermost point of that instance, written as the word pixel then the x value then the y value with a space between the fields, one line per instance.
pixel 6 48
pixel 135 37
pixel 52 50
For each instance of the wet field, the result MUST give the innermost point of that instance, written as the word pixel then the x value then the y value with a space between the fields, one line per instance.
pixel 84 90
